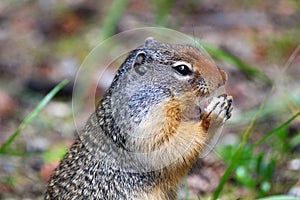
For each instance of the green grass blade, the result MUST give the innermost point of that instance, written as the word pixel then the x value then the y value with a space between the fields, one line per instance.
pixel 112 18
pixel 33 114
pixel 185 188
pixel 295 141
pixel 280 197
pixel 228 172
pixel 223 55
pixel 162 9
pixel 237 153
pixel 275 130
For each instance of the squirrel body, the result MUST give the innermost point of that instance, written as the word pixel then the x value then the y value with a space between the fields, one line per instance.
pixel 147 130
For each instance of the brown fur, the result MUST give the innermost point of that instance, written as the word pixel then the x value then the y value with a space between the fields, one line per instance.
pixel 119 142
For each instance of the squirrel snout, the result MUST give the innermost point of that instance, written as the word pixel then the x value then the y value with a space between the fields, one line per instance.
pixel 223 76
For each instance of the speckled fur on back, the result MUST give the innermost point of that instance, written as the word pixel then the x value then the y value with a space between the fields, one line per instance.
pixel 147 130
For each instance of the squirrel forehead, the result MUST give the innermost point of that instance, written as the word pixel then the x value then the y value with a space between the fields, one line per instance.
pixel 177 52
pixel 170 54
pixel 194 57
pixel 203 65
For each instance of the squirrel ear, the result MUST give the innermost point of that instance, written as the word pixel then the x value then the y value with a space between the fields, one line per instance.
pixel 150 41
pixel 139 59
pixel 138 63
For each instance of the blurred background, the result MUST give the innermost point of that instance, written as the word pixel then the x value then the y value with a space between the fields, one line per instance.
pixel 256 42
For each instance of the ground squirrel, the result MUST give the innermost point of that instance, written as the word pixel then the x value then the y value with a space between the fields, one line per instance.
pixel 148 129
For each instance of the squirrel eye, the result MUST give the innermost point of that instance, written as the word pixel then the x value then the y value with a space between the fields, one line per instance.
pixel 182 69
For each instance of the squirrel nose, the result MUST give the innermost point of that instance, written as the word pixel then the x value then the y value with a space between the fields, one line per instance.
pixel 223 76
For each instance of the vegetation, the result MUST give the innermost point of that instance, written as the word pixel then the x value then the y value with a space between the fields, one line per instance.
pixel 253 163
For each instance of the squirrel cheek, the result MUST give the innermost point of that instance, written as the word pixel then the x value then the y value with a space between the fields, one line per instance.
pixel 192 113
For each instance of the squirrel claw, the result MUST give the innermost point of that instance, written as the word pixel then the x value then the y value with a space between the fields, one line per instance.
pixel 220 108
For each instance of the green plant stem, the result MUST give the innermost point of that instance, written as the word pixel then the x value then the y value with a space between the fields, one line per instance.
pixel 280 197
pixel 275 130
pixel 236 154
pixel 33 114
pixel 112 18
pixel 223 55
pixel 162 9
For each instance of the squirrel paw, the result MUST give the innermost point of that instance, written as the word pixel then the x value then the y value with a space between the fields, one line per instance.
pixel 219 110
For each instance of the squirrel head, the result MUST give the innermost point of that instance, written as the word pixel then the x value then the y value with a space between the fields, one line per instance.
pixel 175 66
pixel 158 86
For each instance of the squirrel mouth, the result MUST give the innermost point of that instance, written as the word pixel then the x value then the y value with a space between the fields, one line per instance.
pixel 205 101
pixel 193 108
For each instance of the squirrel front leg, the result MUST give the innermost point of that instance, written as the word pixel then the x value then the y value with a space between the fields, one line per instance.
pixel 181 133
pixel 217 112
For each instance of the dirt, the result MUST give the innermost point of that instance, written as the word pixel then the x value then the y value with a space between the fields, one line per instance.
pixel 44 42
